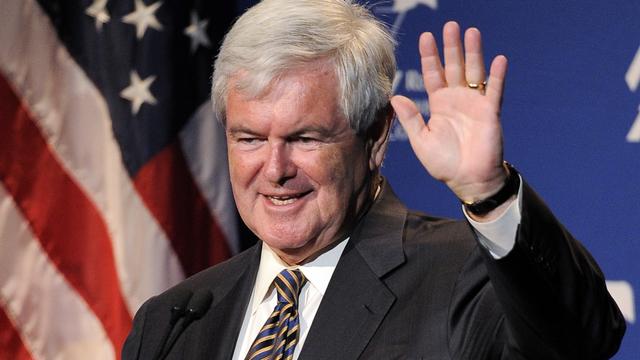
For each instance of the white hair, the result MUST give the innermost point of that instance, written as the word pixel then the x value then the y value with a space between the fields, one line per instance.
pixel 276 36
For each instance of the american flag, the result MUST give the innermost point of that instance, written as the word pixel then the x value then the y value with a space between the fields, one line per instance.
pixel 113 176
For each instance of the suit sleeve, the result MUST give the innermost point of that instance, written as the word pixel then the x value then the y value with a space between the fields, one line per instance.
pixel 552 297
pixel 131 347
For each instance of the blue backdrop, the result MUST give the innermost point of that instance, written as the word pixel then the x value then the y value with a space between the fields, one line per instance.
pixel 570 104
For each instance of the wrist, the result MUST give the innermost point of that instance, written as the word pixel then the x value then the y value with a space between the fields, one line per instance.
pixel 506 189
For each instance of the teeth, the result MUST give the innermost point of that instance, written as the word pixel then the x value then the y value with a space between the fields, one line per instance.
pixel 282 200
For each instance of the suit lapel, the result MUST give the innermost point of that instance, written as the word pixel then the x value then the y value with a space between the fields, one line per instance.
pixel 357 299
pixel 221 326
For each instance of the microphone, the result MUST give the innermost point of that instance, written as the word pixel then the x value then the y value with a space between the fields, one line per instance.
pixel 199 304
pixel 178 310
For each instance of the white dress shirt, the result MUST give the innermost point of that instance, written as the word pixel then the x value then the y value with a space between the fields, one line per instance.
pixel 498 236
pixel 264 298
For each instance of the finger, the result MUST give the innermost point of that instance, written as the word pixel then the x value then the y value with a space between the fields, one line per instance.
pixel 474 63
pixel 432 72
pixel 453 60
pixel 409 116
pixel 495 85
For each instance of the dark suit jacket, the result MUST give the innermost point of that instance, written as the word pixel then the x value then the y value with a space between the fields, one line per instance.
pixel 410 286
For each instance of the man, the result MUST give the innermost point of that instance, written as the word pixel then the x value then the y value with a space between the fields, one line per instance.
pixel 304 91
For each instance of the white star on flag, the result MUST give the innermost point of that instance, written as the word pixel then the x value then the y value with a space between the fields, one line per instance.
pixel 143 17
pixel 98 11
pixel 138 92
pixel 197 31
pixel 406 5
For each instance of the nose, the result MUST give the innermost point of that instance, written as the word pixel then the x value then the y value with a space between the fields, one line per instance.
pixel 279 167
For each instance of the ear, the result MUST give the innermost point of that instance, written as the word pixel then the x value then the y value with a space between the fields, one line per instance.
pixel 378 136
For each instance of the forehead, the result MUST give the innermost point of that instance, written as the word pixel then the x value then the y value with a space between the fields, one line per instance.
pixel 297 98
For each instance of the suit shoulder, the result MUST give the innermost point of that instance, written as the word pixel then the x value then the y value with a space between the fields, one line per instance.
pixel 220 274
pixel 421 227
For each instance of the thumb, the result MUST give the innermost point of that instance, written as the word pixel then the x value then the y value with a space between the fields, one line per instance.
pixel 408 115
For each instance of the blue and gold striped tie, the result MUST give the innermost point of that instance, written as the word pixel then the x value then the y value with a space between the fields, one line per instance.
pixel 278 337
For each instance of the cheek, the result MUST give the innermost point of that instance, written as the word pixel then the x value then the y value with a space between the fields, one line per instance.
pixel 323 168
pixel 348 166
pixel 335 172
pixel 242 168
pixel 242 172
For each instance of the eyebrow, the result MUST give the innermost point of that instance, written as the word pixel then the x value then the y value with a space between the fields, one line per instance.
pixel 241 129
pixel 326 132
pixel 312 129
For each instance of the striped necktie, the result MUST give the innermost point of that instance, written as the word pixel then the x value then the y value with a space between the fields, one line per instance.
pixel 278 337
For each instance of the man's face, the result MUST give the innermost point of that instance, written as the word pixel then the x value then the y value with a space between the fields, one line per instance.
pixel 298 171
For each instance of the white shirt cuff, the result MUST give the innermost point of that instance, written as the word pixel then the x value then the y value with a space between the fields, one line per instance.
pixel 499 235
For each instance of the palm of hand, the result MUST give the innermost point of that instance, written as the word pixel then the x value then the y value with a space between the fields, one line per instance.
pixel 461 144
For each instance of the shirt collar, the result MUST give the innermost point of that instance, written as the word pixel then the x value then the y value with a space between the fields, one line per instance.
pixel 318 272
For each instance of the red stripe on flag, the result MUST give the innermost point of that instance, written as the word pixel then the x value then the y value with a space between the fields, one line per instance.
pixel 67 224
pixel 11 345
pixel 169 191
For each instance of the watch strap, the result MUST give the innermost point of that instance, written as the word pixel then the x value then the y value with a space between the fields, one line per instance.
pixel 510 188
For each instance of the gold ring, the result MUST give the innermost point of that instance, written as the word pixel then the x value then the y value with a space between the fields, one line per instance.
pixel 478 86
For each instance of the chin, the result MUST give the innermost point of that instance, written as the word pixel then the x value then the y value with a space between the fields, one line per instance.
pixel 284 242
pixel 288 243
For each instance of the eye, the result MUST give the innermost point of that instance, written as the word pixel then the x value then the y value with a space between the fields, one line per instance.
pixel 248 140
pixel 306 142
pixel 306 139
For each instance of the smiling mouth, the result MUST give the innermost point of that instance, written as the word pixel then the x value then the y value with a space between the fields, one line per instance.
pixel 281 200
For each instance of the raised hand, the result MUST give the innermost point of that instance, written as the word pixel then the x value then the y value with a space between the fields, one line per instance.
pixel 461 144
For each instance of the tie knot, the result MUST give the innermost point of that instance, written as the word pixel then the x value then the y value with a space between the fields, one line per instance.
pixel 288 284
